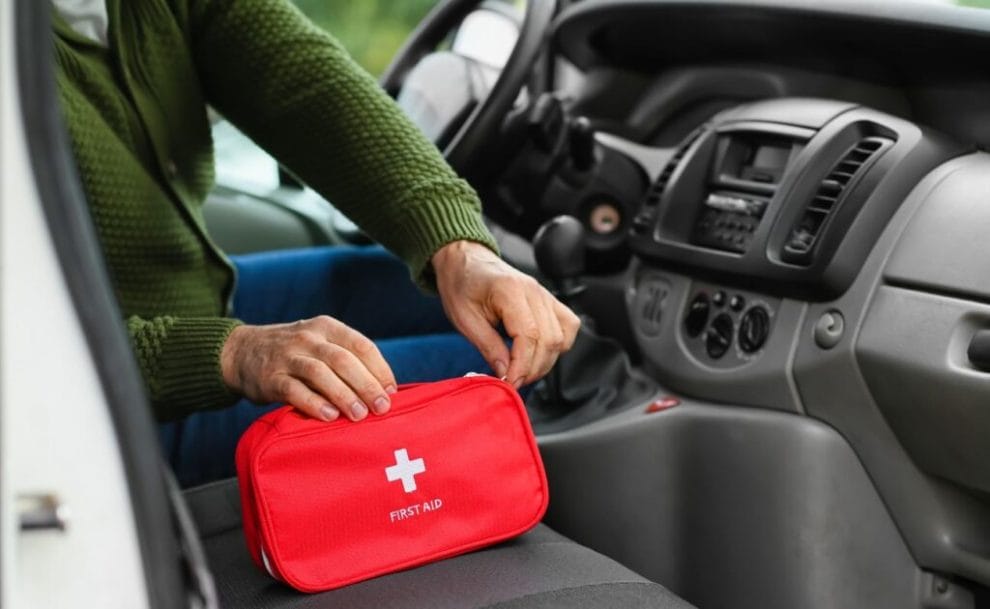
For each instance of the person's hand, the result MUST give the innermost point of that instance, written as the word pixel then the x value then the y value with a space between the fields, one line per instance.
pixel 479 290
pixel 319 365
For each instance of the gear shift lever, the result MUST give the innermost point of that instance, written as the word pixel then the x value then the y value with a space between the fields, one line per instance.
pixel 559 250
pixel 595 376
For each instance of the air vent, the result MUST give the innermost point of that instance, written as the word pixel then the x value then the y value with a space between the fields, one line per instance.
pixel 805 233
pixel 644 219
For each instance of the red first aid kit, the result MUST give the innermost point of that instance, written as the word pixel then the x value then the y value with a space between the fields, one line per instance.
pixel 452 467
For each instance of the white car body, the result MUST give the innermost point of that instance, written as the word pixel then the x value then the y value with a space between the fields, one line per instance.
pixel 55 428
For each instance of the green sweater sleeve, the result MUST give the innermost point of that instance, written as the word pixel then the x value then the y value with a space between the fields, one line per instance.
pixel 180 361
pixel 294 90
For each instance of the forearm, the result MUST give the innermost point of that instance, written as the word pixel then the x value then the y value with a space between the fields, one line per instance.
pixel 295 91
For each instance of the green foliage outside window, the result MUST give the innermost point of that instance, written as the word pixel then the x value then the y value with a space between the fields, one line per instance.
pixel 372 30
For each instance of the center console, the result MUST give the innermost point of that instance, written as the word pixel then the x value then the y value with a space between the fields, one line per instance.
pixel 773 194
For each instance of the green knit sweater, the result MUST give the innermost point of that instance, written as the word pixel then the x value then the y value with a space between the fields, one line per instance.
pixel 136 113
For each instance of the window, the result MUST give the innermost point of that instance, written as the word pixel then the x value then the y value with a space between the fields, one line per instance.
pixel 371 30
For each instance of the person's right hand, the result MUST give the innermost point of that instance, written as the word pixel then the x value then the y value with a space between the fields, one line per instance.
pixel 319 365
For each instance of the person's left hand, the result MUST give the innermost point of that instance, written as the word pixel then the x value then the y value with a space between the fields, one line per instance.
pixel 478 290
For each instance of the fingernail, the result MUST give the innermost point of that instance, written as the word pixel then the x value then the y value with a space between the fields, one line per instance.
pixel 381 405
pixel 391 389
pixel 518 382
pixel 358 411
pixel 500 368
pixel 329 412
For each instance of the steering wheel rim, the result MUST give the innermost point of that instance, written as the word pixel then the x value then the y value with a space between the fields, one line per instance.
pixel 471 144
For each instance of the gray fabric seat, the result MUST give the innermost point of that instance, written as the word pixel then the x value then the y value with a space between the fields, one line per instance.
pixel 540 569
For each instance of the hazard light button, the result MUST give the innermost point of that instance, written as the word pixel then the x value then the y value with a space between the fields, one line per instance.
pixel 661 404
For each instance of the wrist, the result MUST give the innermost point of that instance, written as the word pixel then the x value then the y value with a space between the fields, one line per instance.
pixel 453 254
pixel 230 356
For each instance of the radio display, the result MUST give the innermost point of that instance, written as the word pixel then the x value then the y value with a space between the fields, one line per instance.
pixel 754 158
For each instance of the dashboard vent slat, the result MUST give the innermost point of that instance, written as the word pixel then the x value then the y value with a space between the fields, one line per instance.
pixel 644 219
pixel 821 203
pixel 809 226
pixel 660 185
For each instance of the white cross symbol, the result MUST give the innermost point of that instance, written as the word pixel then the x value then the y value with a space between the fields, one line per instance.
pixel 405 470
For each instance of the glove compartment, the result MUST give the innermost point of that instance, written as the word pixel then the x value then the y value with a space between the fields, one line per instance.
pixel 914 343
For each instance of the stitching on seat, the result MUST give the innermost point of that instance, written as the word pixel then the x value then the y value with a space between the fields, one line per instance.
pixel 581 587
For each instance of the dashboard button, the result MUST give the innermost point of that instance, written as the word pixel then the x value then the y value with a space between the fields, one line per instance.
pixel 718 298
pixel 651 294
pixel 754 327
pixel 697 316
pixel 829 329
pixel 661 404
pixel 719 336
pixel 737 302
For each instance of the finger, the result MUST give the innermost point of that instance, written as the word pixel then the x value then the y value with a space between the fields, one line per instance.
pixel 364 348
pixel 352 371
pixel 318 376
pixel 558 341
pixel 551 337
pixel 570 323
pixel 340 334
pixel 523 328
pixel 367 352
pixel 481 334
pixel 300 396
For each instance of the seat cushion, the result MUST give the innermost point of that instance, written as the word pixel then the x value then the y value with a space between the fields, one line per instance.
pixel 540 569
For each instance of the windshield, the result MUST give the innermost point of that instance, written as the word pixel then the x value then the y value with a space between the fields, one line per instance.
pixel 893 5
pixel 972 3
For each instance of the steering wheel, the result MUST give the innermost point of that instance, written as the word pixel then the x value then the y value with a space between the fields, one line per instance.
pixel 470 146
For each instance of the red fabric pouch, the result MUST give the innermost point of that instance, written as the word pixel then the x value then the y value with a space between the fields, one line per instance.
pixel 452 467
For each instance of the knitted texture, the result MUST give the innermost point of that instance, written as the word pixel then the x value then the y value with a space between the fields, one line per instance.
pixel 136 113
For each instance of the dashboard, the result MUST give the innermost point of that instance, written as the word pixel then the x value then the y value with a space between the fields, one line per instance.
pixel 812 238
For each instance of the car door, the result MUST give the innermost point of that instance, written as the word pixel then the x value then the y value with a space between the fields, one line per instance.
pixel 71 476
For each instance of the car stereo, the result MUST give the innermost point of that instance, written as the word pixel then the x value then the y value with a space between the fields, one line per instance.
pixel 746 168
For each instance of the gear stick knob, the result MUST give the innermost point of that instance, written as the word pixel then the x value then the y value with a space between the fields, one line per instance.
pixel 559 250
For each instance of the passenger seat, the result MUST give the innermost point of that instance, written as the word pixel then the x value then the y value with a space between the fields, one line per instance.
pixel 541 569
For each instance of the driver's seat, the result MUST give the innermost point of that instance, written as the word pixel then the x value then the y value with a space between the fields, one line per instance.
pixel 540 569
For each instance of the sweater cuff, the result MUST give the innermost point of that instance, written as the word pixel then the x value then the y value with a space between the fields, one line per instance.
pixel 189 373
pixel 427 228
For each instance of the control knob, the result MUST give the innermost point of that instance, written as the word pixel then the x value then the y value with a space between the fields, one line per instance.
pixel 697 315
pixel 754 327
pixel 719 336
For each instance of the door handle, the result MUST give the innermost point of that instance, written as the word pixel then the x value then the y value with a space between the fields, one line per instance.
pixel 41 512
pixel 979 350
